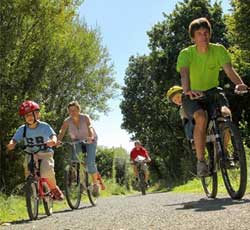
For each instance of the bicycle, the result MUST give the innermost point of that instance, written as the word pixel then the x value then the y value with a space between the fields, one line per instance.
pixel 37 188
pixel 224 151
pixel 140 164
pixel 77 179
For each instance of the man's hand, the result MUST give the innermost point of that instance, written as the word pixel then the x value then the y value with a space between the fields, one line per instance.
pixel 194 94
pixel 148 160
pixel 241 88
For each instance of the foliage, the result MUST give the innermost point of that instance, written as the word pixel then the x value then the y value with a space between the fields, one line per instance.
pixel 238 25
pixel 113 164
pixel 50 56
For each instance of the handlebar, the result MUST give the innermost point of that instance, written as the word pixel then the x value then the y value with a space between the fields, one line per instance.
pixel 212 91
pixel 85 141
pixel 34 151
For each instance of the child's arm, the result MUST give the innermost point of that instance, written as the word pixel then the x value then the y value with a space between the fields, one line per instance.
pixel 52 141
pixel 11 145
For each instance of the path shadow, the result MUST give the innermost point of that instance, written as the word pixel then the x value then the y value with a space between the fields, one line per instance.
pixel 147 193
pixel 206 204
pixel 43 216
pixel 27 221
pixel 71 210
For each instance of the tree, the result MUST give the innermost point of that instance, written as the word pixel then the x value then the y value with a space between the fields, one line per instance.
pixel 50 56
pixel 238 25
pixel 146 113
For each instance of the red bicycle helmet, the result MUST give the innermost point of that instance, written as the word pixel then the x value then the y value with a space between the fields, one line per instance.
pixel 27 107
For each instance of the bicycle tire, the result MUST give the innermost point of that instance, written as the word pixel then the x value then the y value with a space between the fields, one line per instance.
pixel 72 186
pixel 234 152
pixel 47 200
pixel 32 199
pixel 142 182
pixel 92 199
pixel 210 183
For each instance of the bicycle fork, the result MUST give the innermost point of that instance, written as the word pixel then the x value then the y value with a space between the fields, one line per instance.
pixel 218 141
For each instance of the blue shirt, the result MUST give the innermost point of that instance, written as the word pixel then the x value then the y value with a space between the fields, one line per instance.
pixel 41 134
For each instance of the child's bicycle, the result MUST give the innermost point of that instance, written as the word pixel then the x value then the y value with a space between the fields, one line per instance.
pixel 36 188
pixel 76 178
pixel 224 151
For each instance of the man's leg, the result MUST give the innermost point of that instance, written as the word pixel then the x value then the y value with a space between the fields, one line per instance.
pixel 135 171
pixel 200 118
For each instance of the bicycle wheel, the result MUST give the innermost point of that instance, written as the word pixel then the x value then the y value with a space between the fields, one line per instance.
pixel 233 163
pixel 72 186
pixel 47 200
pixel 142 182
pixel 89 187
pixel 210 183
pixel 32 199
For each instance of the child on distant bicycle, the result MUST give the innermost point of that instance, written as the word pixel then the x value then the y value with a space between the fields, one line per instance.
pixel 139 150
pixel 174 95
pixel 35 131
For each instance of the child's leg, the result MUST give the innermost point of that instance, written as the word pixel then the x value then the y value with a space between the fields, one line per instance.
pixel 47 169
pixel 25 166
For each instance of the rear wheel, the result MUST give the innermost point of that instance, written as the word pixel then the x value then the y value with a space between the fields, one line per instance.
pixel 72 185
pixel 47 200
pixel 210 183
pixel 233 166
pixel 32 199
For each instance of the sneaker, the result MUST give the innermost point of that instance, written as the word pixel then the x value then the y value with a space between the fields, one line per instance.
pixel 202 169
pixel 95 191
pixel 57 193
pixel 230 163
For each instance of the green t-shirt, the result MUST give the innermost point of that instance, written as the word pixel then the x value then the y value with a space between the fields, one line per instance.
pixel 203 68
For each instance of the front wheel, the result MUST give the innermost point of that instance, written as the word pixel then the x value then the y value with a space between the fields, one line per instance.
pixel 32 198
pixel 92 199
pixel 142 182
pixel 72 185
pixel 47 199
pixel 233 163
pixel 210 183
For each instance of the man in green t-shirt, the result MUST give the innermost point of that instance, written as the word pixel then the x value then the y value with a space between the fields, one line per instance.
pixel 199 66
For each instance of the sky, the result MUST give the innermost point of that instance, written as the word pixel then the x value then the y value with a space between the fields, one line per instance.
pixel 123 26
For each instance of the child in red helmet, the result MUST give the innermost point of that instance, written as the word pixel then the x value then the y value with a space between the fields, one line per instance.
pixel 35 131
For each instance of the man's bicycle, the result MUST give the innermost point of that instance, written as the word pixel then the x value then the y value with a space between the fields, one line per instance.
pixel 140 164
pixel 36 188
pixel 224 150
pixel 76 178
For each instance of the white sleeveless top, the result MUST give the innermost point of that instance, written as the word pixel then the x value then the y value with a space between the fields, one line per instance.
pixel 81 132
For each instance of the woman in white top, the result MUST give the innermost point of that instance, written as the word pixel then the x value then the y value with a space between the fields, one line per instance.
pixel 80 128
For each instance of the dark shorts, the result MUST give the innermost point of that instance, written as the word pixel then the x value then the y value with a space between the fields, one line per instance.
pixel 213 97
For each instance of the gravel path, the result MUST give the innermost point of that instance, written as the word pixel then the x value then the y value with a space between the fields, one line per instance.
pixel 153 211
